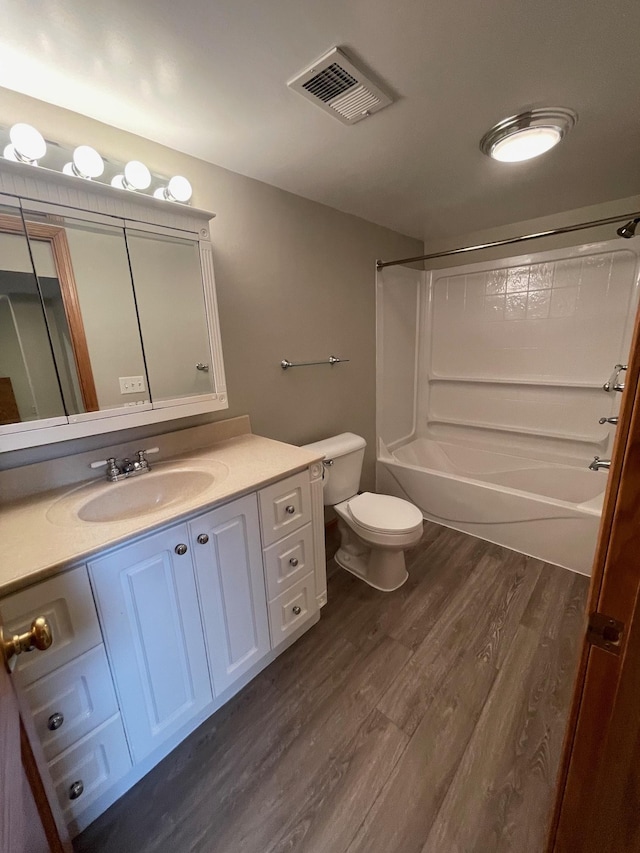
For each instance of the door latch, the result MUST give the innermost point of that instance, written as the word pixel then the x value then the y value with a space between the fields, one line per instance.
pixel 605 632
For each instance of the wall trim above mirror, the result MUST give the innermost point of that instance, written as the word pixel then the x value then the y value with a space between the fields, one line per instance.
pixel 167 260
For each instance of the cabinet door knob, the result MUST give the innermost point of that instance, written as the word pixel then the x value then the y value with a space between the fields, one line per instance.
pixel 290 509
pixel 55 721
pixel 76 789
pixel 203 538
pixel 181 550
pixel 293 562
pixel 297 610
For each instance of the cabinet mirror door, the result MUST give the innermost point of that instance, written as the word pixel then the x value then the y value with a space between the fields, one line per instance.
pixel 91 307
pixel 30 386
pixel 167 278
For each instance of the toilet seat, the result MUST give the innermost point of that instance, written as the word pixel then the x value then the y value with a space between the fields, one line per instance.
pixel 384 513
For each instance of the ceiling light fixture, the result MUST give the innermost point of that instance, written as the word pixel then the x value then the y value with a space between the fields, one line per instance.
pixel 178 189
pixel 528 134
pixel 86 163
pixel 27 144
pixel 136 177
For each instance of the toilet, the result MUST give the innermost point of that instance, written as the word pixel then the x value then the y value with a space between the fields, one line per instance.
pixel 375 530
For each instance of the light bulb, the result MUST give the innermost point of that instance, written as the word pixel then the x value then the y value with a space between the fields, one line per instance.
pixel 28 143
pixel 87 163
pixel 136 175
pixel 9 153
pixel 118 181
pixel 178 189
pixel 67 169
pixel 525 144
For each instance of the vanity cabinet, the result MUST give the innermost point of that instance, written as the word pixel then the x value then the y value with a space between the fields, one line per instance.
pixel 147 599
pixel 152 636
pixel 230 580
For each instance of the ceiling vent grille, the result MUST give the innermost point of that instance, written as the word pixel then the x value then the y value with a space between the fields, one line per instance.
pixel 334 84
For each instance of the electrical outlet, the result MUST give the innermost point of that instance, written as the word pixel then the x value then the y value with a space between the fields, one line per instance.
pixel 132 384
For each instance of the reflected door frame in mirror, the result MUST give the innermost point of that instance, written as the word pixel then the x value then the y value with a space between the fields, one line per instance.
pixel 83 199
pixel 57 239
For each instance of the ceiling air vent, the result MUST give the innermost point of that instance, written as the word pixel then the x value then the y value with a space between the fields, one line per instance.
pixel 334 84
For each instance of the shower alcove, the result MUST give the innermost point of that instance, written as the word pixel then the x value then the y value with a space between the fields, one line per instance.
pixel 489 392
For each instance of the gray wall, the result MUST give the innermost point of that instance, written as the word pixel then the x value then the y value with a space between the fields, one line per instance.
pixel 295 280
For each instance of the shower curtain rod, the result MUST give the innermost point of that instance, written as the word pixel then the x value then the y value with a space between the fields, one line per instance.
pixel 566 230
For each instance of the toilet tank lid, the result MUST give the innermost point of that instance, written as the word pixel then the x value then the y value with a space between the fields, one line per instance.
pixel 337 445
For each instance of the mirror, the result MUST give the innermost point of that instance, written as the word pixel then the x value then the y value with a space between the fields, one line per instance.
pixel 168 286
pixel 95 290
pixel 31 329
pixel 122 328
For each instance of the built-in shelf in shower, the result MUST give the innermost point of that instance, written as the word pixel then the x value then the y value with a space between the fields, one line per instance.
pixel 542 383
pixel 583 439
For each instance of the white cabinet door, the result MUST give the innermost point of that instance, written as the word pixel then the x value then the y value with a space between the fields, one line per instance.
pixel 228 557
pixel 148 606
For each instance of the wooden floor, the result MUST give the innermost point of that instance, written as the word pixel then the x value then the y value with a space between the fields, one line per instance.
pixel 428 720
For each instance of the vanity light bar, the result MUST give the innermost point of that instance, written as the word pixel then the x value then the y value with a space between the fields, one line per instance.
pixel 28 146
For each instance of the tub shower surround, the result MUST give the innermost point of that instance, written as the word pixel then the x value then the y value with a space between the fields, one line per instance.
pixel 490 391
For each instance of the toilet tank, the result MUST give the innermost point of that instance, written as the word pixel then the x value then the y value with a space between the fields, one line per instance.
pixel 342 479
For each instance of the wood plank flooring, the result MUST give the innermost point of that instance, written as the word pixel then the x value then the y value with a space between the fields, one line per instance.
pixel 428 720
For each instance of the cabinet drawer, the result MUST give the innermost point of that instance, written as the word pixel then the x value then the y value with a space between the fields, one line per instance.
pixel 288 560
pixel 292 609
pixel 80 692
pixel 96 762
pixel 284 507
pixel 67 603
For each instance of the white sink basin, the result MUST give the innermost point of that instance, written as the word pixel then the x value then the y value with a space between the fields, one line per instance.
pixel 160 489
pixel 145 494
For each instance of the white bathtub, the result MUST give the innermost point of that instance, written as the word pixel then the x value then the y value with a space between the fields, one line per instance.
pixel 543 509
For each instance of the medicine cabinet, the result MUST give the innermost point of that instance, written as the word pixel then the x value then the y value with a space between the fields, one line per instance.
pixel 108 315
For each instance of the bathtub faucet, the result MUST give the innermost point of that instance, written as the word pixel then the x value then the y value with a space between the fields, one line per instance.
pixel 598 463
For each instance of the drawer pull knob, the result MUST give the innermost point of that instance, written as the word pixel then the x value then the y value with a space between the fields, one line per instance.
pixel 290 509
pixel 293 562
pixel 76 789
pixel 296 610
pixel 203 538
pixel 181 550
pixel 55 721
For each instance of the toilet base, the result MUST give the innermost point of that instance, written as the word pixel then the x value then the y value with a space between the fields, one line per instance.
pixel 384 577
pixel 380 567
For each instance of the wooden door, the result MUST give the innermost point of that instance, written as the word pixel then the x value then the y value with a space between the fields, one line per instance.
pixel 598 798
pixel 228 558
pixel 22 828
pixel 148 605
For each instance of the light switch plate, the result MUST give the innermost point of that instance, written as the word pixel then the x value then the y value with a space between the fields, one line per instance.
pixel 132 384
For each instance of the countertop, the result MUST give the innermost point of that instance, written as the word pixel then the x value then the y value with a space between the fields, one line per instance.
pixel 35 547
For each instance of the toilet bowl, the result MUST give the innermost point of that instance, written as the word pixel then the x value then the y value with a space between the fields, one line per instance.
pixel 374 529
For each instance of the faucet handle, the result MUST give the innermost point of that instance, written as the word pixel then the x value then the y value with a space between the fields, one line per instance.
pixel 110 462
pixel 112 469
pixel 142 456
pixel 613 421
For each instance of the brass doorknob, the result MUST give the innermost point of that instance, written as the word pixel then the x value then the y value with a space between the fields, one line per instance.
pixel 39 636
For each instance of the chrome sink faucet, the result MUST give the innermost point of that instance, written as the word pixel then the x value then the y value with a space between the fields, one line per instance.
pixel 127 468
pixel 598 463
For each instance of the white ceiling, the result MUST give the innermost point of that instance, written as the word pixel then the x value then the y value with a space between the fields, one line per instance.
pixel 208 77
